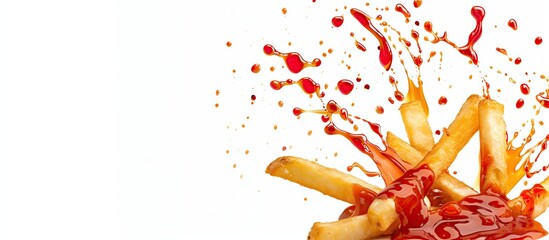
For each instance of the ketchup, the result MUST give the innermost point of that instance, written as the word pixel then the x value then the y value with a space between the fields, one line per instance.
pixel 294 61
pixel 385 54
pixel 484 215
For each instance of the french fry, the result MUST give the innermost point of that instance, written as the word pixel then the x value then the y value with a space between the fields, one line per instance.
pixel 460 131
pixel 417 127
pixel 450 185
pixel 493 147
pixel 382 211
pixel 310 174
pixel 353 228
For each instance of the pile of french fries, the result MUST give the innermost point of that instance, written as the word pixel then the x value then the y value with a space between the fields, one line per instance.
pixel 476 114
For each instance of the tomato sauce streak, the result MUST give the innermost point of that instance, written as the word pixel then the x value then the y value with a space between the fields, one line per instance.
pixel 484 216
pixel 294 61
pixel 360 46
pixel 308 85
pixel 385 53
pixel 401 9
pixel 467 50
pixel 543 100
pixel 388 162
pixel 363 199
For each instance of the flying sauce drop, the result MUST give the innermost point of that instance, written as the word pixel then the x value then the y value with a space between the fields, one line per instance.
pixel 337 21
pixel 538 40
pixel 345 86
pixel 294 61
pixel 385 53
pixel 478 13
pixel 512 24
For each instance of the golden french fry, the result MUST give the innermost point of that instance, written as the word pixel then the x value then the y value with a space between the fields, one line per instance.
pixel 458 134
pixel 451 186
pixel 417 127
pixel 310 174
pixel 465 125
pixel 354 228
pixel 493 147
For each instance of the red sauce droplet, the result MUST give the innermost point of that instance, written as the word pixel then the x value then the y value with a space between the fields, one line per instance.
pixel 417 3
pixel 399 96
pixel 345 86
pixel 442 100
pixel 543 100
pixel 392 80
pixel 256 68
pixel 401 9
pixel 502 51
pixel 229 44
pixel 294 61
pixel 360 46
pixel 524 89
pixel 253 97
pixel 518 61
pixel 428 26
pixel 512 24
pixel 385 54
pixel 367 86
pixel 297 111
pixel 415 35
pixel 538 40
pixel 308 85
pixel 380 110
pixel 520 103
pixel 337 21
pixel 478 13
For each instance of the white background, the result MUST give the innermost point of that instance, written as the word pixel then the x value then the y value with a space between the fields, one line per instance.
pixel 108 128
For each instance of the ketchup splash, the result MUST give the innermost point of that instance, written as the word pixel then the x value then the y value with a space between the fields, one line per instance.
pixel 385 53
pixel 308 85
pixel 294 61
pixel 401 9
pixel 484 216
pixel 543 100
pixel 467 50
pixel 363 199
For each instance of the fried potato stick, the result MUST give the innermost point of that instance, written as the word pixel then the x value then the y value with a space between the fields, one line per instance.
pixel 353 228
pixel 382 211
pixel 450 185
pixel 417 126
pixel 329 181
pixel 493 147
